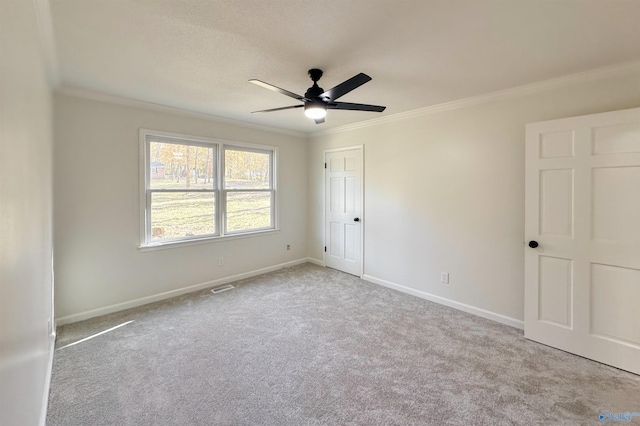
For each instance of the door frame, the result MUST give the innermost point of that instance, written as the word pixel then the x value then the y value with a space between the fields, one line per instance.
pixel 361 202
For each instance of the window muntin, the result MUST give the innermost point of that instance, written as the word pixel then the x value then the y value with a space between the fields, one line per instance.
pixel 195 189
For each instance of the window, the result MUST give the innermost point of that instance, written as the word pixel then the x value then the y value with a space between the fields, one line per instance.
pixel 248 189
pixel 197 188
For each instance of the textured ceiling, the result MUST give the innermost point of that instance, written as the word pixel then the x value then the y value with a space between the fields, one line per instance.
pixel 198 55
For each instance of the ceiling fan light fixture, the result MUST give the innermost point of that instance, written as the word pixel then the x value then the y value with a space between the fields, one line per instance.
pixel 315 109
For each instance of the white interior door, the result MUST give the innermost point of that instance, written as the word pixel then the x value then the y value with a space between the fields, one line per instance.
pixel 343 210
pixel 582 282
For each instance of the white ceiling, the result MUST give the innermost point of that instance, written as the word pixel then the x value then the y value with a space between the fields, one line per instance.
pixel 198 54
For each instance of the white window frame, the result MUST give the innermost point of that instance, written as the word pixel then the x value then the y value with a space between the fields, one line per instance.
pixel 220 193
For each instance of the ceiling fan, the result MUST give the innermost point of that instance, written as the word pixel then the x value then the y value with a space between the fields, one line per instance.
pixel 316 100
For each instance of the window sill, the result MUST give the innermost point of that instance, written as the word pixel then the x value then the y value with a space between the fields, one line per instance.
pixel 207 240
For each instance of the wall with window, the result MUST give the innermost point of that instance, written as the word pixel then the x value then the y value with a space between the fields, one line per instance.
pixel 99 265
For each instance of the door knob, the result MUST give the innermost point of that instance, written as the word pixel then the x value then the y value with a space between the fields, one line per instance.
pixel 357 219
pixel 533 244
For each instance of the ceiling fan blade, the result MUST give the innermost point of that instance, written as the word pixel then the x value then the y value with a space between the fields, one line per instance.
pixel 346 86
pixel 277 89
pixel 355 107
pixel 278 109
pixel 320 121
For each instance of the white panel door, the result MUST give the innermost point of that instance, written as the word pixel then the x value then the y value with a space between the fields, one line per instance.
pixel 343 210
pixel 582 281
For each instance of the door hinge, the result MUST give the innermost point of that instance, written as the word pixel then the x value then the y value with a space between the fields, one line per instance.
pixel 325 248
pixel 325 165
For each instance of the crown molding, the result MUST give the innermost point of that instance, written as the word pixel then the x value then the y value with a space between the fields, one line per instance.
pixel 78 92
pixel 47 41
pixel 526 89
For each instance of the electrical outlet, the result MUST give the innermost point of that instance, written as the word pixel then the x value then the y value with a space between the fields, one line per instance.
pixel 444 277
pixel 288 246
pixel 221 261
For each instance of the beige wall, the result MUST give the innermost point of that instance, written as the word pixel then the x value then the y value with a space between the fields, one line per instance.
pixel 25 218
pixel 445 192
pixel 97 213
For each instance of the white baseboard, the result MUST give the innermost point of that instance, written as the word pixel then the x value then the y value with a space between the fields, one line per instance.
pixel 503 319
pixel 315 261
pixel 47 384
pixel 81 316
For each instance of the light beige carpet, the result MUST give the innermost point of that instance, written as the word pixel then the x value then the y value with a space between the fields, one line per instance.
pixel 311 346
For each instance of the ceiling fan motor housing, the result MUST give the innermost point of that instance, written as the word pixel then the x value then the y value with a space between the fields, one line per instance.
pixel 314 92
